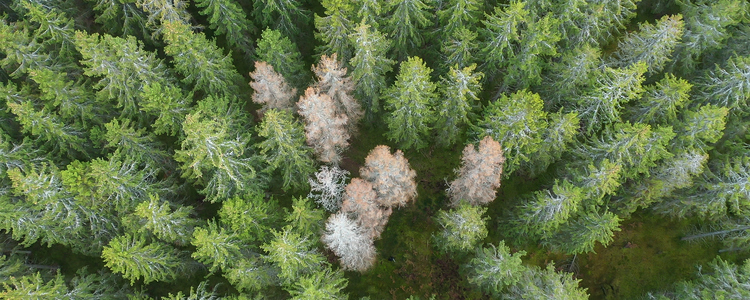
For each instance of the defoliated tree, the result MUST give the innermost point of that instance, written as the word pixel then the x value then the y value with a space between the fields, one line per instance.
pixel 581 235
pixel 226 17
pixel 202 64
pixel 479 174
pixel 462 228
pixel 411 100
pixel 216 247
pixel 517 123
pixel 136 259
pixel 294 254
pixel 214 155
pixel 662 100
pixel 460 90
pixel 332 81
pixel 391 176
pixel 613 88
pixel 284 148
pixel 370 64
pixel 734 233
pixel 327 188
pixel 728 86
pixel 653 44
pixel 361 203
pixel 407 20
pixel 271 89
pixel 277 50
pixel 494 268
pixel 349 242
pixel 334 28
pixel 325 130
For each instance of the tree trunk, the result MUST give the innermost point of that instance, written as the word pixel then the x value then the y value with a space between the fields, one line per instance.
pixel 708 234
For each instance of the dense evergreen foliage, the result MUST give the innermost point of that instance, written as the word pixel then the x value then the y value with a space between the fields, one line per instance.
pixel 268 149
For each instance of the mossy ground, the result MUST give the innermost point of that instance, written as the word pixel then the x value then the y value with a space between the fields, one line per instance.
pixel 646 255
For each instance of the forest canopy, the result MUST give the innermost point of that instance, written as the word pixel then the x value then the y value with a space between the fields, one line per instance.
pixel 405 149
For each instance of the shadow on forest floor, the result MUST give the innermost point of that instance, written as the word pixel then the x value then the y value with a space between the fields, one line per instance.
pixel 645 256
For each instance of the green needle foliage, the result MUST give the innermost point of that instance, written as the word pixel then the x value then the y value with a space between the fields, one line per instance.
pixel 462 228
pixel 405 25
pixel 277 50
pixel 214 155
pixel 136 259
pixel 460 91
pixel 129 135
pixel 285 149
pixel 494 268
pixel 216 247
pixel 411 100
pixel 228 18
pixel 370 65
pixel 294 255
pixel 516 121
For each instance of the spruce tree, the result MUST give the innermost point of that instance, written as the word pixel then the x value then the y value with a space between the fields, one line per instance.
pixel 411 100
pixel 282 54
pixel 227 17
pixel 284 149
pixel 516 122
pixel 370 65
pixel 460 90
pixel 405 25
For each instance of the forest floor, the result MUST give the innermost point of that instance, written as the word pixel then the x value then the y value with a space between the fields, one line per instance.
pixel 647 255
